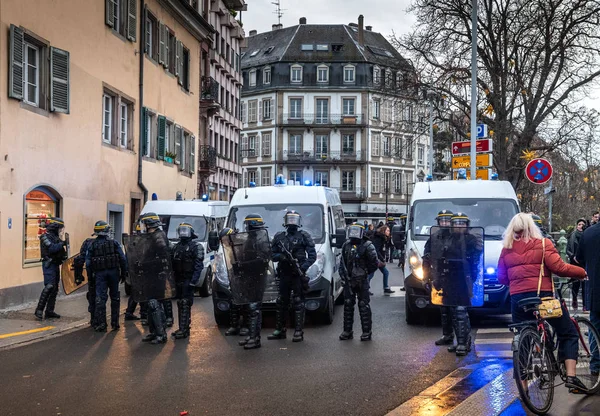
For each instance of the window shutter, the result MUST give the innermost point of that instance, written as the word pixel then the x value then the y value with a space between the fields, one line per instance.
pixel 178 145
pixel 375 144
pixel 245 179
pixel 162 127
pixel 59 81
pixel 244 112
pixel 178 61
pixel 131 20
pixel 393 146
pixel 375 181
pixel 15 72
pixel 260 110
pixel 143 141
pixel 192 155
pixel 272 113
pixel 162 32
pixel 245 143
pixel 109 12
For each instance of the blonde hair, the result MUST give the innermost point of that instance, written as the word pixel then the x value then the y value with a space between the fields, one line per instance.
pixel 521 227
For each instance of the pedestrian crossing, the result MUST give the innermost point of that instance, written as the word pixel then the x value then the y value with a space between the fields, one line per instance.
pixel 493 343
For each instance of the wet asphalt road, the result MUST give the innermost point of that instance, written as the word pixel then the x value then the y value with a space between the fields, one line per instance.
pixel 86 373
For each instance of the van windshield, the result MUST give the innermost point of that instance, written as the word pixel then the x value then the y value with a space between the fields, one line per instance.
pixel 493 215
pixel 171 222
pixel 312 218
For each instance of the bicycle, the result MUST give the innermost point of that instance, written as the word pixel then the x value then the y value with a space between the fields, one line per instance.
pixel 535 363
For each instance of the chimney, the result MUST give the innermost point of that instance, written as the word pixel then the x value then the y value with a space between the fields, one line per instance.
pixel 369 28
pixel 361 30
pixel 303 20
pixel 277 26
pixel 253 33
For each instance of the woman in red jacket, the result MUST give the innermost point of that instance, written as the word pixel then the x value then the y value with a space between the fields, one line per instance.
pixel 519 268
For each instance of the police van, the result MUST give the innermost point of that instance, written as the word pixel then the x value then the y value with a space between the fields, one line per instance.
pixel 203 215
pixel 489 204
pixel 322 217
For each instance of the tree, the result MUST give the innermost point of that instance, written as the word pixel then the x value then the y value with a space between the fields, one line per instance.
pixel 536 61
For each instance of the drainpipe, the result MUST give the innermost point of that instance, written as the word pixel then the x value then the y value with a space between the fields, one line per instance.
pixel 141 100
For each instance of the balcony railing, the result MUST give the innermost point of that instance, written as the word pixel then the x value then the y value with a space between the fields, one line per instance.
pixel 207 159
pixel 210 89
pixel 356 194
pixel 333 120
pixel 252 153
pixel 334 157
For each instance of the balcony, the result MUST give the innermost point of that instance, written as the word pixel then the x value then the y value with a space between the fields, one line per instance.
pixel 333 157
pixel 207 159
pixel 238 33
pixel 239 5
pixel 355 195
pixel 324 120
pixel 209 97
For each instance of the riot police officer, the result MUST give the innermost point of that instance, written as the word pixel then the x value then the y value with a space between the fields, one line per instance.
pixel 443 221
pixel 54 253
pixel 150 223
pixel 236 320
pixel 359 259
pixel 78 264
pixel 294 251
pixel 188 262
pixel 105 260
pixel 131 303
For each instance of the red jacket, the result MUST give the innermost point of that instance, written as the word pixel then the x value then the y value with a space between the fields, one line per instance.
pixel 519 267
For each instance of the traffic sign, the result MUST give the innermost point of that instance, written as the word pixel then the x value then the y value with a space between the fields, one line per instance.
pixel 482 146
pixel 482 161
pixel 482 131
pixel 483 174
pixel 539 171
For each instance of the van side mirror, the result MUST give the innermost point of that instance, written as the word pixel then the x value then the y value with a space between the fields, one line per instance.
pixel 213 240
pixel 339 238
pixel 398 236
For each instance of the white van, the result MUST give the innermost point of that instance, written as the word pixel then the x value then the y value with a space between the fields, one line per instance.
pixel 322 217
pixel 490 204
pixel 204 216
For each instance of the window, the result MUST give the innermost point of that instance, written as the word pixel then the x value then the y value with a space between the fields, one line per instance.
pixel 385 146
pixel 243 113
pixel 397 182
pixel 375 142
pixel 148 133
pixel 266 144
pixel 40 203
pixel 251 146
pixel 269 50
pixel 295 107
pixel 117 126
pixel 321 146
pixel 376 109
pixel 398 147
pixel 322 178
pixel 348 144
pixel 252 111
pixel 169 138
pixel 322 74
pixel 421 155
pixel 337 47
pixel 123 124
pixel 295 147
pixel 388 78
pixel 376 75
pixel 306 47
pixel 266 109
pixel 296 73
pixel 251 177
pixel 31 74
pixel 348 180
pixel 321 47
pixel 408 113
pixel 121 16
pixel 375 181
pixel 252 78
pixel 151 36
pixel 254 53
pixel 267 76
pixel 107 117
pixel 184 68
pixel 265 176
pixel 322 116
pixel 387 111
pixel 348 106
pixel 409 148
pixel 295 175
pixel 349 74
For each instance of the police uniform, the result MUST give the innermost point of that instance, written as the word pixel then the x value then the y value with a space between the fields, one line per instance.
pixel 78 265
pixel 290 247
pixel 54 253
pixel 236 312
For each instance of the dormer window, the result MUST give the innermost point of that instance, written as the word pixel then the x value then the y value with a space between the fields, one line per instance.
pixel 296 74
pixel 321 47
pixel 254 53
pixel 269 50
pixel 323 74
pixel 307 47
pixel 267 76
pixel 349 74
pixel 376 75
pixel 252 78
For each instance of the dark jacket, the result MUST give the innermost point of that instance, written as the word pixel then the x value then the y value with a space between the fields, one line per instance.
pixel 380 241
pixel 573 244
pixel 588 256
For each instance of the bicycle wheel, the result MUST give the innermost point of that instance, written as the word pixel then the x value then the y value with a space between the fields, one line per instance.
pixel 588 359
pixel 534 373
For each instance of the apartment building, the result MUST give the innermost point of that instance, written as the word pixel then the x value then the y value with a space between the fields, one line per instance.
pixel 99 110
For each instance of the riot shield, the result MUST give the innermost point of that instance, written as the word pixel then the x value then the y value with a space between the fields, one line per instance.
pixel 67 275
pixel 456 274
pixel 150 271
pixel 248 259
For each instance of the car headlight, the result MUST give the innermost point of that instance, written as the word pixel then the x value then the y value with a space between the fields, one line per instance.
pixel 416 264
pixel 220 269
pixel 315 271
pixel 418 272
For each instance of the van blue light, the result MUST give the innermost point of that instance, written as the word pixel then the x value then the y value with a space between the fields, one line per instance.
pixel 252 184
pixel 462 174
pixel 494 176
pixel 307 183
pixel 205 197
pixel 154 197
pixel 280 180
pixel 429 178
pixel 490 270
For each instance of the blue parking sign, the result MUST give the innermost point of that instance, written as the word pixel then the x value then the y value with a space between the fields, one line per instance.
pixel 482 131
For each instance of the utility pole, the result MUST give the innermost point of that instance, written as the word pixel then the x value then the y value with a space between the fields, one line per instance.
pixel 431 136
pixel 473 89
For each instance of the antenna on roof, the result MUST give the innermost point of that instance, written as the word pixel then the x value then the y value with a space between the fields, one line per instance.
pixel 279 11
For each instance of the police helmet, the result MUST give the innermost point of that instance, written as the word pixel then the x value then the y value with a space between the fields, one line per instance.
pixel 101 228
pixel 54 223
pixel 254 222
pixel 460 219
pixel 225 231
pixel 151 220
pixel 444 215
pixel 355 230
pixel 292 218
pixel 185 230
pixel 390 219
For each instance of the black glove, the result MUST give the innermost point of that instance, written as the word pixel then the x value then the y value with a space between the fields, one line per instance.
pixel 123 277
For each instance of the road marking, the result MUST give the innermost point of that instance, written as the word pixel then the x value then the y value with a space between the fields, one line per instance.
pixel 494 343
pixel 31 331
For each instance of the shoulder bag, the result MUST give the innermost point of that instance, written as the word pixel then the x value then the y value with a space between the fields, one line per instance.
pixel 550 306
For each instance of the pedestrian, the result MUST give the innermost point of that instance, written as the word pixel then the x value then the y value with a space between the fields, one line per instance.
pixel 381 239
pixel 402 242
pixel 390 247
pixel 588 257
pixel 370 231
pixel 237 324
pixel 53 246
pixel 572 248
pixel 595 218
pixel 294 252
pixel 443 221
pixel 359 259
pixel 188 263
pixel 78 265
pixel 526 264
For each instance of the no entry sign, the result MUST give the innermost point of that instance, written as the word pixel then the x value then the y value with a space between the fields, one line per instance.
pixel 539 171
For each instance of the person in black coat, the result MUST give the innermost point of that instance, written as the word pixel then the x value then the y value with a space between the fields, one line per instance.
pixel 381 238
pixel 572 247
pixel 588 257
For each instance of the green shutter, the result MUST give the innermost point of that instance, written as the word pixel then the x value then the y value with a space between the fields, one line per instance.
pixel 15 70
pixel 178 145
pixel 162 127
pixel 192 167
pixel 59 81
pixel 131 20
pixel 144 134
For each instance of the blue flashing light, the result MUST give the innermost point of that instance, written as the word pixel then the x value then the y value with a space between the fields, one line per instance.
pixel 462 173
pixel 490 270
pixel 307 183
pixel 317 183
pixel 205 197
pixel 494 176
pixel 154 197
pixel 429 178
pixel 280 180
pixel 252 184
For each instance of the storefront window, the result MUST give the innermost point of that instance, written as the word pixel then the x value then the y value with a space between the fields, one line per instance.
pixel 39 205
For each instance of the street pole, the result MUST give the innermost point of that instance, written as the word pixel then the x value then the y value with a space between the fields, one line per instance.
pixel 473 89
pixel 550 208
pixel 430 136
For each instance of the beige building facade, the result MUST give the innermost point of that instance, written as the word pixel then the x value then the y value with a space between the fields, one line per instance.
pixel 79 137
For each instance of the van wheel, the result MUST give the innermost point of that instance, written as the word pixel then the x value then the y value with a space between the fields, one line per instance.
pixel 327 314
pixel 206 288
pixel 411 316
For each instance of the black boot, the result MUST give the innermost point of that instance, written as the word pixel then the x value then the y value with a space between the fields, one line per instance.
pixel 447 330
pixel 100 316
pixel 254 327
pixel 280 330
pixel 462 331
pixel 156 321
pixel 52 303
pixel 39 311
pixel 299 322
pixel 234 321
pixel 144 313
pixel 115 307
pixel 183 307
pixel 348 320
pixel 364 310
pixel 168 307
